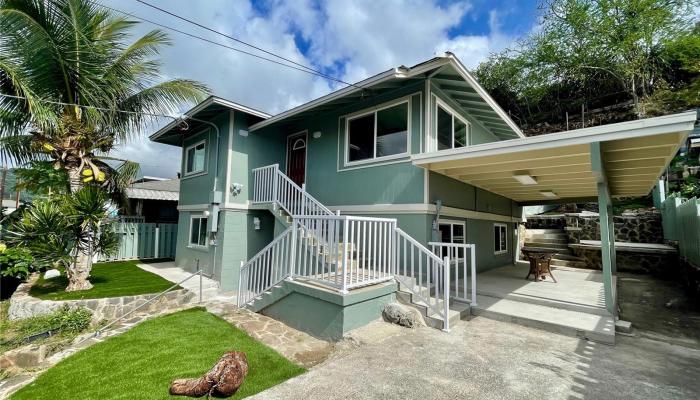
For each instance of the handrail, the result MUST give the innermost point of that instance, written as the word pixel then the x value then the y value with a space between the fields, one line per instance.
pixel 151 300
pixel 267 185
pixel 427 281
pixel 452 250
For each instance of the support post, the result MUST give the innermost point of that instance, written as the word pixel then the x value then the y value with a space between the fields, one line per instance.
pixel 157 241
pixel 607 228
pixel 659 194
pixel 446 293
pixel 472 250
pixel 293 250
pixel 344 289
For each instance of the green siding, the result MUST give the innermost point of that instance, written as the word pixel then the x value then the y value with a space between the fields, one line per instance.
pixel 197 189
pixel 454 193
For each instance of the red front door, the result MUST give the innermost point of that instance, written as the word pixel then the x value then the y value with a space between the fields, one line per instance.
pixel 296 158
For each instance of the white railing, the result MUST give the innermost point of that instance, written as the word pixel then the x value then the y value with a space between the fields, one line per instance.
pixel 424 274
pixel 270 185
pixel 266 269
pixel 343 252
pixel 462 257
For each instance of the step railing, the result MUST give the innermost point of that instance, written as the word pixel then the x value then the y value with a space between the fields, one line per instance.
pixel 270 185
pixel 344 252
pixel 266 269
pixel 424 274
pixel 463 259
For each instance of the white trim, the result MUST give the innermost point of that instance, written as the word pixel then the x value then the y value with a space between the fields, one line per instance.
pixel 439 103
pixel 426 186
pixel 189 232
pixel 204 169
pixel 462 70
pixel 426 121
pixel 193 207
pixel 419 208
pixel 305 133
pixel 201 106
pixel 374 110
pixel 229 157
pixel 453 222
pixel 675 123
pixel 505 235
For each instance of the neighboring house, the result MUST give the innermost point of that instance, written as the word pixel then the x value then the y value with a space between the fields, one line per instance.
pixel 153 200
pixel 406 157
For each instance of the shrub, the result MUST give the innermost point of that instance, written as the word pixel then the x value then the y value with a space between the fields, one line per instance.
pixel 64 322
pixel 15 262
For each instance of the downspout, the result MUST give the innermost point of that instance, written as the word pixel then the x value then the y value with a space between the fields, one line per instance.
pixel 215 197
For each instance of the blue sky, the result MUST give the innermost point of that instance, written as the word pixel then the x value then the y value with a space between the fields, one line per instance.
pixel 350 39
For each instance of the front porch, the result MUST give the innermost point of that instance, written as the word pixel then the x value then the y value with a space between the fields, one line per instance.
pixel 573 306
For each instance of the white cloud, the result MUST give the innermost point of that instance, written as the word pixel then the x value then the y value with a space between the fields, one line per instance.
pixel 353 40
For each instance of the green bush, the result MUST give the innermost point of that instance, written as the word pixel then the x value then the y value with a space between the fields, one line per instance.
pixel 64 322
pixel 15 262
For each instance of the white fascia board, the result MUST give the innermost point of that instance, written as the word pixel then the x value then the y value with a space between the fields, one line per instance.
pixel 204 104
pixel 675 123
pixel 365 84
pixel 484 95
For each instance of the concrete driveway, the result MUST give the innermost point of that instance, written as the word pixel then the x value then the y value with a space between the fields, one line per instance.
pixel 485 359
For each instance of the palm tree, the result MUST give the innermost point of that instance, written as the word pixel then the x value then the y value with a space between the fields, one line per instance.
pixel 71 89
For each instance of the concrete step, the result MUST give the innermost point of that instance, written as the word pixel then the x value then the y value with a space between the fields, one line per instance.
pixel 562 240
pixel 567 263
pixel 598 328
pixel 544 231
pixel 457 310
pixel 546 245
pixel 568 257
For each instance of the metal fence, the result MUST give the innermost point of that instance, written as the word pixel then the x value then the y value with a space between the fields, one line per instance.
pixel 681 223
pixel 143 240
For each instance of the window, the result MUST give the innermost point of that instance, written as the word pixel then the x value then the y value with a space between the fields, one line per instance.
pixel 452 232
pixel 500 239
pixel 198 231
pixel 381 133
pixel 452 130
pixel 194 158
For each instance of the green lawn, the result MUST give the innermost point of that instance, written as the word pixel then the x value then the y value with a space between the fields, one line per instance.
pixel 141 363
pixel 111 279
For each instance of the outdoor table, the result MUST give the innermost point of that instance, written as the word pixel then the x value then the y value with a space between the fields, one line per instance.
pixel 539 262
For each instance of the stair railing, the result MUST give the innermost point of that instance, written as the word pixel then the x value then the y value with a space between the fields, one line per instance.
pixel 270 185
pixel 424 274
pixel 266 269
pixel 462 256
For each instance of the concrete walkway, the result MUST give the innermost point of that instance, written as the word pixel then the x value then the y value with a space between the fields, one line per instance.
pixel 167 270
pixel 486 359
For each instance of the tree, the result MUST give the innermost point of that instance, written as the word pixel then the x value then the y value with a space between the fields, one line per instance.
pixel 58 230
pixel 82 90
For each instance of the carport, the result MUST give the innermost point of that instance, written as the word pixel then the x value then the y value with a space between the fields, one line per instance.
pixel 590 164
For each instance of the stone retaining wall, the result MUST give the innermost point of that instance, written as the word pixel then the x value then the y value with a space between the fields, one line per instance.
pixel 22 305
pixel 658 264
pixel 630 227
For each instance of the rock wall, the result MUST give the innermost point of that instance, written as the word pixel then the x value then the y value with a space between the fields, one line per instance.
pixel 660 264
pixel 630 227
pixel 545 222
pixel 22 305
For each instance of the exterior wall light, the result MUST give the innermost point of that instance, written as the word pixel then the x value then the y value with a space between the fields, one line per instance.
pixel 256 223
pixel 316 134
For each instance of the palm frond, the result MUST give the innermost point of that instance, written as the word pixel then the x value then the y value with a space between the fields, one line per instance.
pixel 18 149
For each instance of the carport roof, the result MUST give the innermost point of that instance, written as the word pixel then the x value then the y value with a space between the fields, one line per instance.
pixel 634 155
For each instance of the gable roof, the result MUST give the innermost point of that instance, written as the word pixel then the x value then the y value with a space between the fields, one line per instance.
pixel 447 72
pixel 206 109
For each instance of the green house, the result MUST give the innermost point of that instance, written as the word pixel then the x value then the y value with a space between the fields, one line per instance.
pixel 411 179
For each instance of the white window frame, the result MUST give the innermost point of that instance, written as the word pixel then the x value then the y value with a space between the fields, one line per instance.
pixel 453 222
pixel 189 231
pixel 505 235
pixel 204 167
pixel 454 114
pixel 375 110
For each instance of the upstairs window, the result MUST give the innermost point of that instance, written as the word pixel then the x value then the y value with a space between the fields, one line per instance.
pixel 198 231
pixel 500 239
pixel 381 133
pixel 452 130
pixel 194 158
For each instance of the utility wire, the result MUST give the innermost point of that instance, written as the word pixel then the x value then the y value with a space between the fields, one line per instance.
pixel 303 68
pixel 195 23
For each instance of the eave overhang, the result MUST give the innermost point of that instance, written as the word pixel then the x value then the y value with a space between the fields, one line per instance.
pixel 635 154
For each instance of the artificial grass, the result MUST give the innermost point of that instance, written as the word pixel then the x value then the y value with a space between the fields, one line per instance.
pixel 141 363
pixel 110 279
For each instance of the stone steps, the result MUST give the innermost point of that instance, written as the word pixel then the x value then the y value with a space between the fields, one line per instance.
pixel 412 298
pixel 556 262
pixel 562 246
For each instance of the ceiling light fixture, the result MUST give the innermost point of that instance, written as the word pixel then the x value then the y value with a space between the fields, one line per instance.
pixel 548 193
pixel 524 178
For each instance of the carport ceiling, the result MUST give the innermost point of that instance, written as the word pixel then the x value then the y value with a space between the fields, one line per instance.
pixel 561 166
